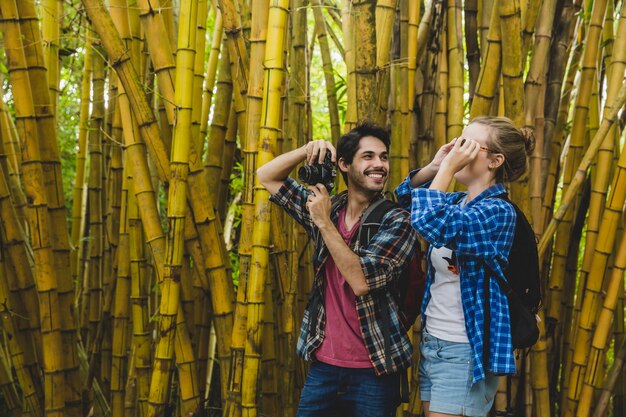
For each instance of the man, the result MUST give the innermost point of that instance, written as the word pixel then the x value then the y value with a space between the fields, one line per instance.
pixel 351 328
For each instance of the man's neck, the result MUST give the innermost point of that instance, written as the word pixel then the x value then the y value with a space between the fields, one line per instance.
pixel 357 203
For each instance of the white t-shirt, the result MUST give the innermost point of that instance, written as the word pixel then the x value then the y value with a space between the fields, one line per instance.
pixel 444 313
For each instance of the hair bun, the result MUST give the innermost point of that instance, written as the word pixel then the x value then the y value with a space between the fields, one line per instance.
pixel 529 139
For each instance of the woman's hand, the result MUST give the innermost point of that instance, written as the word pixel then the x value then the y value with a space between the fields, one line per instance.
pixel 463 152
pixel 441 154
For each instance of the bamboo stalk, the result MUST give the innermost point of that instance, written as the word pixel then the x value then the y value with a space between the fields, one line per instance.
pixel 489 75
pixel 327 66
pixel 37 212
pixel 455 105
pixel 171 323
pixel 274 73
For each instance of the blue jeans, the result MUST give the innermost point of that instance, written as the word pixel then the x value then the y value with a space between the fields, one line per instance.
pixel 333 391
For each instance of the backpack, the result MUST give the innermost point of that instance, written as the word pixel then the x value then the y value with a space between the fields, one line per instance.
pixel 409 289
pixel 522 286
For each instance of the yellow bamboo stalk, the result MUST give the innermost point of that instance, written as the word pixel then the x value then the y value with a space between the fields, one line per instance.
pixel 415 136
pixel 441 100
pixel 559 52
pixel 365 71
pixel 576 146
pixel 121 62
pixel 139 301
pixel 530 11
pixel 15 341
pixel 79 179
pixel 384 17
pixel 535 94
pixel 400 119
pixel 8 387
pixel 37 212
pixel 608 118
pixel 228 162
pixel 349 43
pixel 209 228
pixel 489 75
pixel 94 187
pixel 121 310
pixel 254 108
pixel 240 61
pixel 331 32
pixel 198 79
pixel 454 121
pixel 52 15
pixel 20 280
pixel 414 19
pixel 484 14
pixel 327 66
pixel 603 167
pixel 170 308
pixel 613 377
pixel 297 88
pixel 537 67
pixel 539 372
pixel 593 289
pixel 11 144
pixel 153 23
pixel 211 71
pixel 44 112
pixel 471 40
pixel 213 163
pixel 270 124
pixel 602 333
pixel 269 389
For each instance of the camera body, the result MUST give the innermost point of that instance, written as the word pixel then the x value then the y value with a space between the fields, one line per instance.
pixel 324 173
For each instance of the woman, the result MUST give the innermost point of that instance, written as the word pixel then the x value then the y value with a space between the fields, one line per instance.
pixel 470 236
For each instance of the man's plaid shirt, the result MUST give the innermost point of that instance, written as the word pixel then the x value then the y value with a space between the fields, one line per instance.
pixel 481 233
pixel 382 260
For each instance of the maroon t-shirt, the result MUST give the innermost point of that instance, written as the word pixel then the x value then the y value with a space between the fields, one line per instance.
pixel 343 343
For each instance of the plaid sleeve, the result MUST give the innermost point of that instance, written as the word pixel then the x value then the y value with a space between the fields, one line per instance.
pixel 484 230
pixel 389 250
pixel 403 191
pixel 292 198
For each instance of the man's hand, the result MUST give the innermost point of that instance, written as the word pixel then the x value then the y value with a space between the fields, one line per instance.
pixel 318 204
pixel 316 151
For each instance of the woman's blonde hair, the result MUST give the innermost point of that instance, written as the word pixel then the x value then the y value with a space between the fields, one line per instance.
pixel 514 143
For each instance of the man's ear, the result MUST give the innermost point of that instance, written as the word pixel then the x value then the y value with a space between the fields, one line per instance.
pixel 496 161
pixel 343 165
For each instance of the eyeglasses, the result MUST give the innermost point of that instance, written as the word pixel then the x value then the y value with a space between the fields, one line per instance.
pixel 481 147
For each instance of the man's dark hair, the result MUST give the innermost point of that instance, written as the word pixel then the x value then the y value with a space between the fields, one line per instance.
pixel 348 144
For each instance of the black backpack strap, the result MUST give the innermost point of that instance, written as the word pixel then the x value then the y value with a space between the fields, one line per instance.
pixel 486 323
pixel 370 223
pixel 372 218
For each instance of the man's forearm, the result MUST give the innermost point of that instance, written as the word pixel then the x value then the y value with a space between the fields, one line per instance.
pixel 346 260
pixel 273 174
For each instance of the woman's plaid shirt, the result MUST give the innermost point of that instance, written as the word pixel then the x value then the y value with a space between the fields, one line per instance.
pixel 382 260
pixel 481 233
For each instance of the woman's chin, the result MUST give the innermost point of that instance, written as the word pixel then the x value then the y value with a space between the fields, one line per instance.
pixel 460 178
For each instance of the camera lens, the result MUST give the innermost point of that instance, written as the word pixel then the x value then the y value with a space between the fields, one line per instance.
pixel 308 174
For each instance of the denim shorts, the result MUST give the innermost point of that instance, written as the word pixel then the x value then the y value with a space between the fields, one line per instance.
pixel 445 379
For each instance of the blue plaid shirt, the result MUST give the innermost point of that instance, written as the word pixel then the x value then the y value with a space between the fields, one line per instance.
pixel 382 260
pixel 481 233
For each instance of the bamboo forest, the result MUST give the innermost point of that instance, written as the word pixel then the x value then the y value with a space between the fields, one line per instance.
pixel 143 269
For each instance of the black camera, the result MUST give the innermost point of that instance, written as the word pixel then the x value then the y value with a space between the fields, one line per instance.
pixel 317 173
